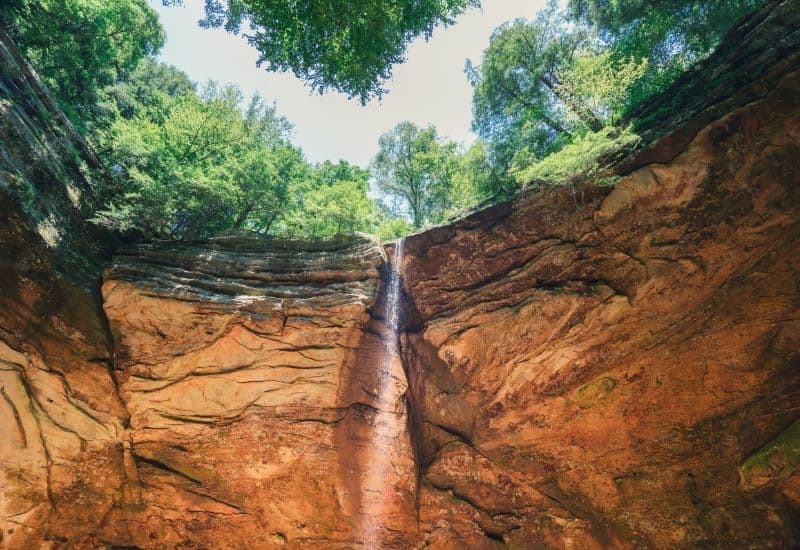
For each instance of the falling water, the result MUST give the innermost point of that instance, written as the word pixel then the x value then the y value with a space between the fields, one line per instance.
pixel 388 422
pixel 393 298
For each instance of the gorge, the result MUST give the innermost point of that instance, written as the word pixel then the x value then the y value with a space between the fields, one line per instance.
pixel 584 366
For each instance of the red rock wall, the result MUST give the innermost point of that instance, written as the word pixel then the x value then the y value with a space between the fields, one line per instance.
pixel 593 370
pixel 605 368
pixel 61 419
pixel 248 372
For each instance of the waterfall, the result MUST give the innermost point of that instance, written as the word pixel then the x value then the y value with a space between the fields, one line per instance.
pixel 388 422
pixel 393 299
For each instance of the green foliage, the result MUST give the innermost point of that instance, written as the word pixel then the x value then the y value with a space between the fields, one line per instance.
pixel 472 181
pixel 148 90
pixel 540 83
pixel 423 179
pixel 602 82
pixel 331 199
pixel 188 164
pixel 391 229
pixel 548 92
pixel 200 167
pixel 203 163
pixel 413 169
pixel 341 208
pixel 191 163
pixel 520 78
pixel 348 46
pixel 671 34
pixel 80 46
pixel 578 160
pixel 485 164
pixel 265 177
pixel 328 173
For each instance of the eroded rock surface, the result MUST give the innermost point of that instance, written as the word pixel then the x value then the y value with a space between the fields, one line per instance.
pixel 245 367
pixel 605 368
pixel 61 420
pixel 596 370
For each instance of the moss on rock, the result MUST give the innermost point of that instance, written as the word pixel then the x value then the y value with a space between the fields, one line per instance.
pixel 775 461
pixel 588 394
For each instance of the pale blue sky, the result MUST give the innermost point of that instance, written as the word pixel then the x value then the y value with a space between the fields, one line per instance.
pixel 429 88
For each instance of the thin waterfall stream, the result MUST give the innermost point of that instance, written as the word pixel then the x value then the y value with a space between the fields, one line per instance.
pixel 388 421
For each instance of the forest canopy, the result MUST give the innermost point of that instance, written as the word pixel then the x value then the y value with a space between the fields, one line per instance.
pixel 550 95
pixel 346 45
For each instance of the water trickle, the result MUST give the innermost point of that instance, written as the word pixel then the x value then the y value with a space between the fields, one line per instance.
pixel 393 296
pixel 388 423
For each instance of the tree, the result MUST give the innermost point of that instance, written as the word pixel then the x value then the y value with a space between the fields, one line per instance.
pixel 520 105
pixel 188 163
pixel 331 199
pixel 519 80
pixel 80 46
pixel 603 82
pixel 202 167
pixel 263 124
pixel 478 179
pixel 413 169
pixel 149 90
pixel 390 229
pixel 329 173
pixel 172 171
pixel 670 34
pixel 542 84
pixel 196 163
pixel 345 45
pixel 341 208
pixel 264 180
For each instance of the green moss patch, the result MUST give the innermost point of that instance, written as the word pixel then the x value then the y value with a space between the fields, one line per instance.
pixel 774 461
pixel 589 394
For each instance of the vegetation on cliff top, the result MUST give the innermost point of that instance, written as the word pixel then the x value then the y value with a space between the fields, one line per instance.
pixel 551 95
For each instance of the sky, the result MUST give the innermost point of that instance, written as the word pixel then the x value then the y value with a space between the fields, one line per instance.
pixel 430 87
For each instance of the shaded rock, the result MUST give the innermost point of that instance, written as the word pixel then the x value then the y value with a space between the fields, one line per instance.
pixel 61 420
pixel 776 461
pixel 594 374
pixel 582 368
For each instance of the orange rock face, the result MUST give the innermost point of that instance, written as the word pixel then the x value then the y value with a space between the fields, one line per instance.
pixel 246 372
pixel 593 367
pixel 61 419
pixel 592 371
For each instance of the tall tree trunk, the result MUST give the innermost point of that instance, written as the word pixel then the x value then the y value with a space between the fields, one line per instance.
pixel 242 216
pixel 573 104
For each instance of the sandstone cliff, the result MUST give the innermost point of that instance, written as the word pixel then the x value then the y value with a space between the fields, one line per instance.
pixel 588 367
pixel 619 367
pixel 61 419
pixel 246 367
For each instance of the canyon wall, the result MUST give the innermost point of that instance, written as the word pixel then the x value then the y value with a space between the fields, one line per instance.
pixel 581 367
pixel 247 367
pixel 620 367
pixel 195 395
pixel 61 419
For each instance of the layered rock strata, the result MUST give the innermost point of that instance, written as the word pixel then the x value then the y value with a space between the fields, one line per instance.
pixel 246 367
pixel 619 367
pixel 582 367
